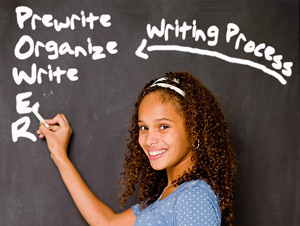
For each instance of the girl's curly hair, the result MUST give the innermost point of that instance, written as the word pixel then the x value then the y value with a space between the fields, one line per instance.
pixel 208 136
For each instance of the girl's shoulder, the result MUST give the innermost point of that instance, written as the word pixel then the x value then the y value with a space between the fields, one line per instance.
pixel 195 200
pixel 196 189
pixel 193 184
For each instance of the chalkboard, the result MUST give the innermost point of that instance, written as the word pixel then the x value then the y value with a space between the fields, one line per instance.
pixel 90 59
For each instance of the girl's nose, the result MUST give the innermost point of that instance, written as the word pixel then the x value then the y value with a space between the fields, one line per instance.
pixel 152 138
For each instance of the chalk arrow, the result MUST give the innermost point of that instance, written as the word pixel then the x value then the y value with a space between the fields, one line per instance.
pixel 187 49
pixel 139 51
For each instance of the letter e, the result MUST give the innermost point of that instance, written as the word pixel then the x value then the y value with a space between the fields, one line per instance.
pixel 111 47
pixel 105 20
pixel 22 106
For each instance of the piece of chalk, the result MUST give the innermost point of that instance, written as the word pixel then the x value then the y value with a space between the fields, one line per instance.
pixel 40 118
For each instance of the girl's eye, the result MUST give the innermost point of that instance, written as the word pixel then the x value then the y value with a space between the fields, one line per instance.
pixel 143 128
pixel 163 127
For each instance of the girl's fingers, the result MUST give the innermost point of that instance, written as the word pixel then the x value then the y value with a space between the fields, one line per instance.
pixel 65 119
pixel 43 130
pixel 53 128
pixel 57 124
pixel 59 120
pixel 62 120
pixel 52 121
pixel 41 135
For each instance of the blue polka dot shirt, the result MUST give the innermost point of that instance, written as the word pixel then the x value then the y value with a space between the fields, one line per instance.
pixel 192 203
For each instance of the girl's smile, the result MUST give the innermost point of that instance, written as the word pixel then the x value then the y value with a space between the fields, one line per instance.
pixel 155 154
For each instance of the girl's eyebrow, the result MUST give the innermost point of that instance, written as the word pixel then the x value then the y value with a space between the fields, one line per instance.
pixel 158 120
pixel 164 119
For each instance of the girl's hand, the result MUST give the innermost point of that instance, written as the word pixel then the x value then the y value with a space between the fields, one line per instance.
pixel 57 135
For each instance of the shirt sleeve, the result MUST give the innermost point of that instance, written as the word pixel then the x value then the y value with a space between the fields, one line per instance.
pixel 196 206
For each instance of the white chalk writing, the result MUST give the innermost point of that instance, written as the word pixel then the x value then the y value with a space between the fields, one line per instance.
pixel 27 48
pixel 279 68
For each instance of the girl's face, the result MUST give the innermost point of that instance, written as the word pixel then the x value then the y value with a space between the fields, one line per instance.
pixel 162 135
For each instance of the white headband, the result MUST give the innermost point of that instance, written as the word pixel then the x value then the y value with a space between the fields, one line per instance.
pixel 168 86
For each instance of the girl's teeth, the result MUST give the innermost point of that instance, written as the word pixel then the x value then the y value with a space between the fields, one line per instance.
pixel 152 153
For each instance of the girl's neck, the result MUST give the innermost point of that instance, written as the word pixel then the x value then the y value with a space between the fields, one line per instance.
pixel 173 173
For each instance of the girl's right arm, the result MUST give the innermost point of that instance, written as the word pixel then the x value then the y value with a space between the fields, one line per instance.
pixel 92 209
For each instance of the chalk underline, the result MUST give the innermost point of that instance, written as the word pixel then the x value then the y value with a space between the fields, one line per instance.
pixel 218 55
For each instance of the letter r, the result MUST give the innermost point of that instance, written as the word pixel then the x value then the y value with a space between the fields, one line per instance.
pixel 17 132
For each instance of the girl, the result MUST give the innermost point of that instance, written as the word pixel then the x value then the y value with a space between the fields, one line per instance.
pixel 179 151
